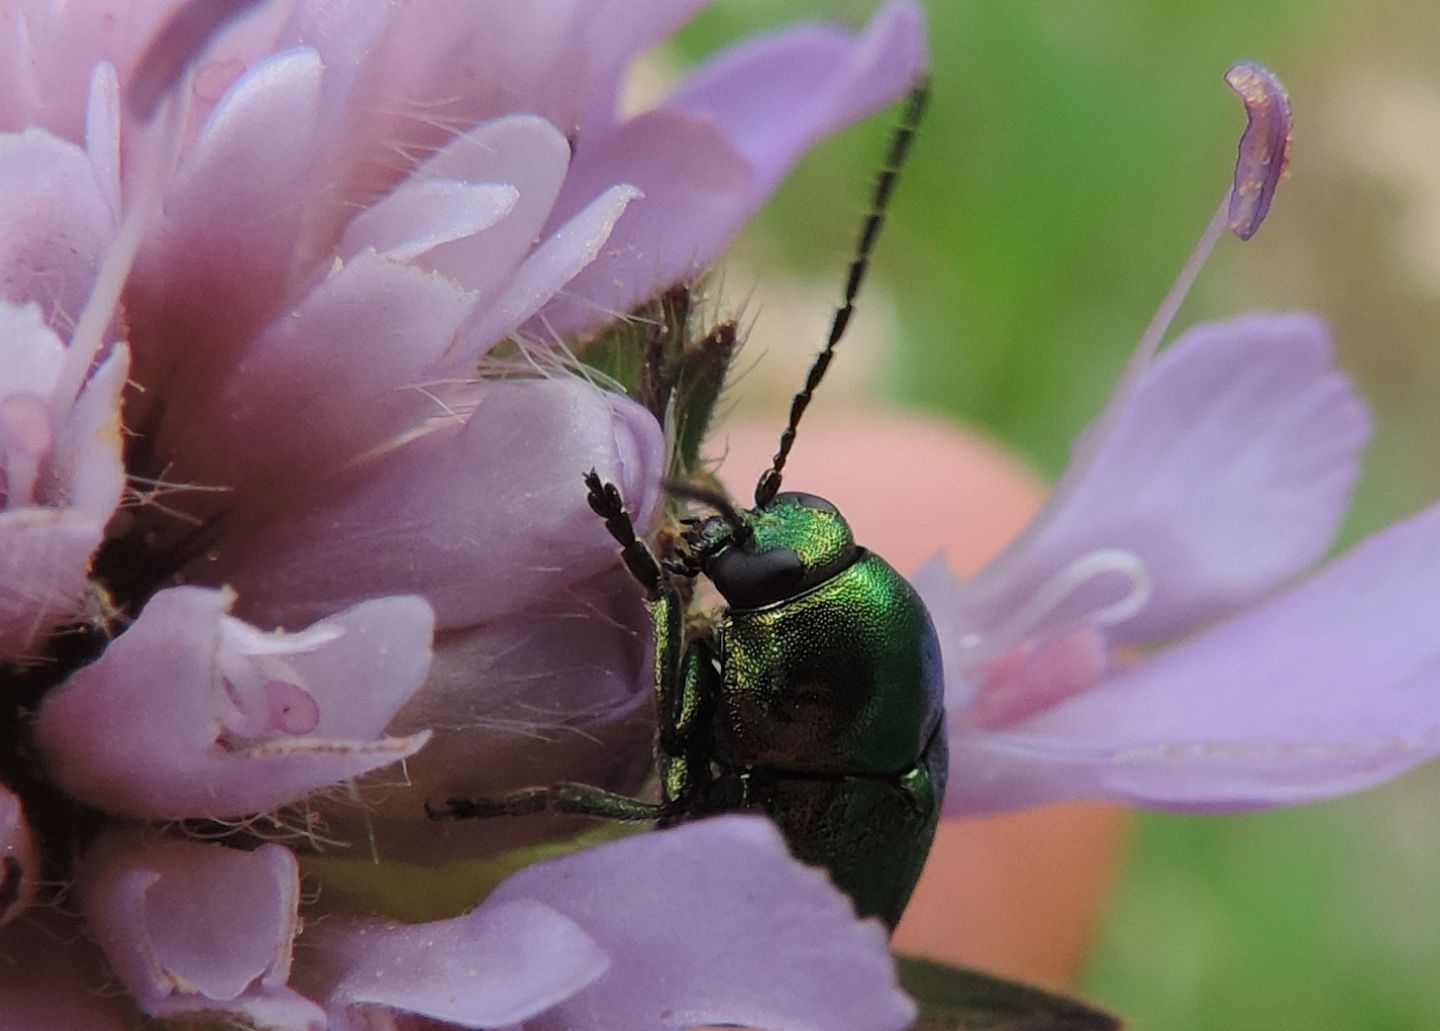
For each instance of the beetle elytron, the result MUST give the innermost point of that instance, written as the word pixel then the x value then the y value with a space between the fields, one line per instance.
pixel 815 697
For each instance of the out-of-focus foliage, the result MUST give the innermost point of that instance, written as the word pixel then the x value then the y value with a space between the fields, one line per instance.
pixel 1071 158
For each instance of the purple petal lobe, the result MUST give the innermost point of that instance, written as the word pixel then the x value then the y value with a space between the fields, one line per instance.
pixel 686 169
pixel 483 518
pixel 1326 689
pixel 193 713
pixel 1224 475
pixel 496 966
pixel 735 129
pixel 1264 146
pixel 1033 677
pixel 197 929
pixel 778 94
pixel 562 62
pixel 714 923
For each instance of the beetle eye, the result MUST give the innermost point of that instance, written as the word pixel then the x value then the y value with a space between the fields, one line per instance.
pixel 748 579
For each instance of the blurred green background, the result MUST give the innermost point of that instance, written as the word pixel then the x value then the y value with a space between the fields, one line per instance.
pixel 1074 151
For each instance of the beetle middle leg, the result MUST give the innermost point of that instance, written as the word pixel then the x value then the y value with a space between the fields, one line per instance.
pixel 565 797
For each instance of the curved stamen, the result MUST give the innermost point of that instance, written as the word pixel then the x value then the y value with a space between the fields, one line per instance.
pixel 1051 595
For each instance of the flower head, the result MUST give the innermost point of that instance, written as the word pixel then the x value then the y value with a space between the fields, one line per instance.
pixel 313 543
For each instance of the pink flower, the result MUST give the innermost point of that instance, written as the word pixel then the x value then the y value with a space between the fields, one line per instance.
pixel 289 234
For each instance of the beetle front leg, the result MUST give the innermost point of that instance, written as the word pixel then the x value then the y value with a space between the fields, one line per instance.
pixel 684 709
pixel 682 679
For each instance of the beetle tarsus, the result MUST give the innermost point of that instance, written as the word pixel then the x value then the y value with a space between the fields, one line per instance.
pixel 605 501
pixel 521 803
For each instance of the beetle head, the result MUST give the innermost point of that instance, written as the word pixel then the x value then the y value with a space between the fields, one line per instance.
pixel 774 552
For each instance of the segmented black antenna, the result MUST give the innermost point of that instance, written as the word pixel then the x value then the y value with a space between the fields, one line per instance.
pixel 769 484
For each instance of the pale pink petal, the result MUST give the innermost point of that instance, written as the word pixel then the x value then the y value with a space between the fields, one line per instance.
pixel 715 151
pixel 525 151
pixel 55 46
pixel 481 519
pixel 419 82
pixel 350 37
pixel 495 966
pixel 20 87
pixel 533 59
pixel 27 434
pixel 557 261
pixel 86 467
pixel 360 688
pixel 423 215
pixel 19 861
pixel 102 134
pixel 222 260
pixel 34 355
pixel 44 560
pixel 553 692
pixel 55 223
pixel 714 923
pixel 198 929
pixel 1328 688
pixel 345 372
pixel 1225 474
pixel 56 451
pixel 179 716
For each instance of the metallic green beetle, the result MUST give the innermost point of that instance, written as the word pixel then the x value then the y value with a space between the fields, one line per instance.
pixel 815 697
pixel 827 708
